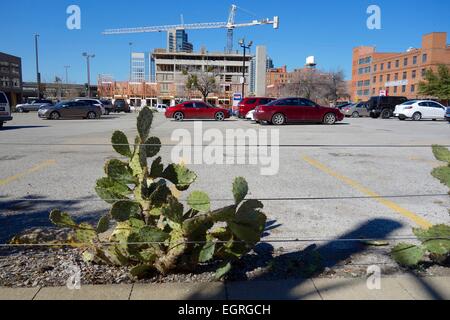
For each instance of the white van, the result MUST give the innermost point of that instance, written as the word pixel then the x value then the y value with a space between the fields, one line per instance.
pixel 5 109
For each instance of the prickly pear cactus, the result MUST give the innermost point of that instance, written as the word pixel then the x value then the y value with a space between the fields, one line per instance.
pixel 153 231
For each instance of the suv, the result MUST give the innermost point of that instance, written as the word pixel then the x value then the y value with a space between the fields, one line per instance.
pixel 384 106
pixel 94 103
pixel 33 105
pixel 5 110
pixel 249 104
pixel 121 105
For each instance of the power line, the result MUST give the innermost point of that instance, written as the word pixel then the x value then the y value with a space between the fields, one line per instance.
pixel 248 199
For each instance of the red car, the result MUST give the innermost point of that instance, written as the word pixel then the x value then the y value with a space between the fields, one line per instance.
pixel 287 110
pixel 248 104
pixel 196 110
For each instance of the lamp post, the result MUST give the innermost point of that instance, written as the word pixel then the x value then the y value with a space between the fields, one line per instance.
pixel 38 74
pixel 131 60
pixel 245 47
pixel 67 79
pixel 88 57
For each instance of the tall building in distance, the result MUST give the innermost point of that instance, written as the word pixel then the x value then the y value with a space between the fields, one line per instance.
pixel 178 41
pixel 269 64
pixel 258 70
pixel 396 73
pixel 138 67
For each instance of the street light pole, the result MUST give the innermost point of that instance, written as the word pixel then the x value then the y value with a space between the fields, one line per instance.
pixel 245 47
pixel 67 79
pixel 38 74
pixel 88 62
pixel 131 61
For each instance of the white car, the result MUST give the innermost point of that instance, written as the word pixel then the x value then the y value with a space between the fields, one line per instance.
pixel 250 115
pixel 161 108
pixel 420 109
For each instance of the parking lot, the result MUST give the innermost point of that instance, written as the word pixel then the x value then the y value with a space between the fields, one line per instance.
pixel 362 178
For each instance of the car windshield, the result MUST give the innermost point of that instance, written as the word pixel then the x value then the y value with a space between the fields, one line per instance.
pixel 408 103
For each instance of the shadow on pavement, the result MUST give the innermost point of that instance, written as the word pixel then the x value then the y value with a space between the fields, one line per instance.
pixel 17 216
pixel 331 254
pixel 8 128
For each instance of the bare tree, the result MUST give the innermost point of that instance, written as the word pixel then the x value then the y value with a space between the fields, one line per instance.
pixel 335 87
pixel 204 81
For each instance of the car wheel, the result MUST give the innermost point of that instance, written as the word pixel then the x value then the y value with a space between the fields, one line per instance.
pixel 330 119
pixel 417 116
pixel 55 115
pixel 220 116
pixel 178 116
pixel 20 110
pixel 401 118
pixel 355 114
pixel 278 119
pixel 385 114
pixel 1 125
pixel 91 115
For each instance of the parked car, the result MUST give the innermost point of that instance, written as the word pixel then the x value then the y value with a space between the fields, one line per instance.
pixel 196 110
pixel 447 114
pixel 162 108
pixel 248 104
pixel 356 110
pixel 420 109
pixel 121 105
pixel 287 110
pixel 94 102
pixel 33 105
pixel 5 109
pixel 70 109
pixel 250 115
pixel 384 106
pixel 107 104
pixel 342 105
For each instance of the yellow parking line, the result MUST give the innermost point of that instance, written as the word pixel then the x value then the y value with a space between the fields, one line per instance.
pixel 36 168
pixel 356 185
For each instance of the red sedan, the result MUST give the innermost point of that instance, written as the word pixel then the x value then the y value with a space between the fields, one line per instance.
pixel 196 110
pixel 287 110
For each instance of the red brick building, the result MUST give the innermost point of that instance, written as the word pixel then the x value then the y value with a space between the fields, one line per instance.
pixel 398 74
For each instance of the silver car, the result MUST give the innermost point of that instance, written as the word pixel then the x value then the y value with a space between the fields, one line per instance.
pixel 356 110
pixel 33 105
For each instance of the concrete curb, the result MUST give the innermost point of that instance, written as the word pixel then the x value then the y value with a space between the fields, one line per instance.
pixel 399 288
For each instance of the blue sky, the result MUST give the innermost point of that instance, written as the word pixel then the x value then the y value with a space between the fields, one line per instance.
pixel 327 29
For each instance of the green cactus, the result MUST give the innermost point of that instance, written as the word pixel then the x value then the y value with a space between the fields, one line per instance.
pixel 153 231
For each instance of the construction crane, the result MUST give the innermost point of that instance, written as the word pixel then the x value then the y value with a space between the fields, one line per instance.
pixel 230 25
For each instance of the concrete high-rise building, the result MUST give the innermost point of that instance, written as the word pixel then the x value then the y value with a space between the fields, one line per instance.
pixel 396 73
pixel 258 72
pixel 178 41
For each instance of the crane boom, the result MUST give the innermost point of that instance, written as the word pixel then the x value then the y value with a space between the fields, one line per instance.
pixel 193 26
pixel 230 25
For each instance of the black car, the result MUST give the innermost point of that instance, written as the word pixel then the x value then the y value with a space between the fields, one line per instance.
pixel 384 106
pixel 120 105
pixel 107 104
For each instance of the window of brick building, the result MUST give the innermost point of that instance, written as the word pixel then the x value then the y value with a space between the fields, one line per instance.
pixel 424 58
pixel 414 74
pixel 397 63
pixel 413 88
pixel 405 75
pixel 415 60
pixel 405 62
pixel 403 89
